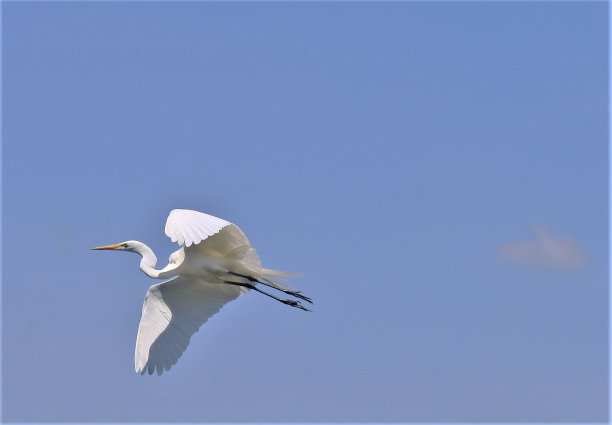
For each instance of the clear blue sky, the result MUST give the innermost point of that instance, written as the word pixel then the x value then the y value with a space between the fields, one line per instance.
pixel 438 172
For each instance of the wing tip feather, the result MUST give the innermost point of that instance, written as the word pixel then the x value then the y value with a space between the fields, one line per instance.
pixel 191 227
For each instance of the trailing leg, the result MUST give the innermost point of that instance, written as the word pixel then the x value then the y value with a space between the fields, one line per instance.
pixel 296 294
pixel 292 303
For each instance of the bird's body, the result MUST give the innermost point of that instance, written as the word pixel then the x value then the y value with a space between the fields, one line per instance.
pixel 216 265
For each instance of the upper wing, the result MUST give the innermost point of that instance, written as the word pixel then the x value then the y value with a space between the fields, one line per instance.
pixel 172 312
pixel 212 237
pixel 191 227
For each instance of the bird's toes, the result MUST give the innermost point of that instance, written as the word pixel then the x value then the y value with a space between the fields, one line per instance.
pixel 295 304
pixel 299 295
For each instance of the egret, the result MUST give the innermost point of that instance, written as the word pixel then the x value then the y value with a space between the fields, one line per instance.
pixel 216 265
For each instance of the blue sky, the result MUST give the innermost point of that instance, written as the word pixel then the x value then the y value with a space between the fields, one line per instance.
pixel 438 172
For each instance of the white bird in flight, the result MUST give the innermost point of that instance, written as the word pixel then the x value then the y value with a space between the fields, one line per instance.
pixel 216 265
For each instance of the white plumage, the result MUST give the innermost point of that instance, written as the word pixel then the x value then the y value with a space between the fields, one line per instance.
pixel 189 227
pixel 172 312
pixel 216 265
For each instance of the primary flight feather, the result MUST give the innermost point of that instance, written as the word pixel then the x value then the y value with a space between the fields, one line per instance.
pixel 216 265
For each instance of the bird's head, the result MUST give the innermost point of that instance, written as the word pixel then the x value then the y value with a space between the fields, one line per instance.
pixel 123 246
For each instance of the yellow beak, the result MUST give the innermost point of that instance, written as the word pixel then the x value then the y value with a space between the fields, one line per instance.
pixel 114 246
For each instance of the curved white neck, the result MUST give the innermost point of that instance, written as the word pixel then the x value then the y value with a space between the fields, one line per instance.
pixel 148 262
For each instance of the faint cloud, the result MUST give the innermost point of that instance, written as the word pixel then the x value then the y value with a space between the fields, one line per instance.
pixel 547 250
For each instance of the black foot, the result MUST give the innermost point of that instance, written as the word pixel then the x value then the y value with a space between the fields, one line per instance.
pixel 295 304
pixel 298 294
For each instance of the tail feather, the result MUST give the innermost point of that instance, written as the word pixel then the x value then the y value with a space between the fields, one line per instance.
pixel 246 259
pixel 268 274
pixel 246 262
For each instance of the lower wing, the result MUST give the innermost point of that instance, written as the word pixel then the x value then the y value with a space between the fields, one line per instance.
pixel 172 312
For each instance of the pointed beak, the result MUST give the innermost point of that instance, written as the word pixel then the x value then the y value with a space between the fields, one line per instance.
pixel 114 246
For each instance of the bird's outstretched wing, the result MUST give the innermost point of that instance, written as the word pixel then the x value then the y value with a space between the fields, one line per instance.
pixel 191 227
pixel 172 312
pixel 208 236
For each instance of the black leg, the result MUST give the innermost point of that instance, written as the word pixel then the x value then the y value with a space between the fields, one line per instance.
pixel 292 303
pixel 296 294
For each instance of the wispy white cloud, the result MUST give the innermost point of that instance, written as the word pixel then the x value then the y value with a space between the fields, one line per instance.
pixel 547 250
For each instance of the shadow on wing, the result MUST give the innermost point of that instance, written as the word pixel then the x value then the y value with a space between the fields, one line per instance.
pixel 182 305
